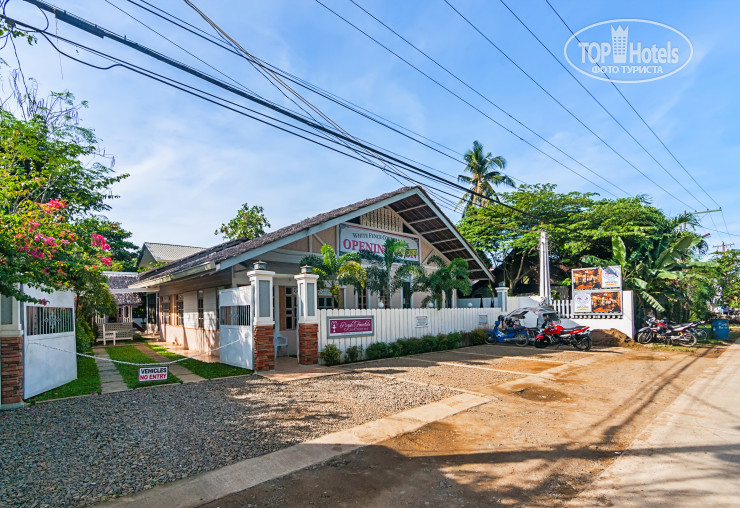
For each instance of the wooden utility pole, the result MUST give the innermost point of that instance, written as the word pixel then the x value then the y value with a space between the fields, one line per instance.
pixel 724 247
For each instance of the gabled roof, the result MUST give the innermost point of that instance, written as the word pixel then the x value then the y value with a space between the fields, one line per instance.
pixel 168 252
pixel 118 285
pixel 413 204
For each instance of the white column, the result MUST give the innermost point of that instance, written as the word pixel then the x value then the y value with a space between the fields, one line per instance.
pixel 544 268
pixel 307 295
pixel 261 281
pixel 502 292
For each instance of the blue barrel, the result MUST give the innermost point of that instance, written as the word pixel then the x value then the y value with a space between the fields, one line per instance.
pixel 721 329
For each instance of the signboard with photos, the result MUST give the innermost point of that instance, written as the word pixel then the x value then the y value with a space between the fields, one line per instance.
pixel 597 290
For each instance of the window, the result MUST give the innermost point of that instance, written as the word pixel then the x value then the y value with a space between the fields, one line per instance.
pixel 235 315
pixel 200 310
pixel 310 304
pixel 180 311
pixel 48 320
pixel 361 298
pixel 406 294
pixel 165 305
pixel 265 298
pixel 326 302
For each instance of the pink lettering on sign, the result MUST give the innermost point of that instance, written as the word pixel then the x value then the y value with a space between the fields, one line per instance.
pixel 339 327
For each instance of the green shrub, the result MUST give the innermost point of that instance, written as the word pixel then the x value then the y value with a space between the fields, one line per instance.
pixel 429 344
pixel 396 348
pixel 331 355
pixel 353 353
pixel 413 346
pixel 377 351
pixel 453 340
pixel 83 335
pixel 478 337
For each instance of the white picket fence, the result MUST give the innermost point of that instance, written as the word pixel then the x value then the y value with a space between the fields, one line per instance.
pixel 393 324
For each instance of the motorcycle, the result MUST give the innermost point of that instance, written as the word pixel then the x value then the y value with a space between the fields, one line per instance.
pixel 507 330
pixel 660 330
pixel 553 333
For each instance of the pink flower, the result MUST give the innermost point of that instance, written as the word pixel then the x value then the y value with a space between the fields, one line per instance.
pixel 106 261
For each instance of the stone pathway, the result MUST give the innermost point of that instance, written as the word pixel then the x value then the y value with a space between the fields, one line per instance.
pixel 185 375
pixel 110 379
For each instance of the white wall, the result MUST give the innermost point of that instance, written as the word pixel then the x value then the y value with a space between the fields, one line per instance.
pixel 393 324
pixel 45 368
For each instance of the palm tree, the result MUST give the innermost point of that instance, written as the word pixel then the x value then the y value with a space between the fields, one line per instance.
pixel 484 176
pixel 442 282
pixel 380 275
pixel 336 271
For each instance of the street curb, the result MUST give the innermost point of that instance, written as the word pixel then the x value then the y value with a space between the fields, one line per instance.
pixel 213 485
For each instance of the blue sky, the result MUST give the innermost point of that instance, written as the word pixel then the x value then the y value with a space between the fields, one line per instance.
pixel 193 164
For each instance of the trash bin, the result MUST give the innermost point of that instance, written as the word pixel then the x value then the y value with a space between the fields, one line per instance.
pixel 721 329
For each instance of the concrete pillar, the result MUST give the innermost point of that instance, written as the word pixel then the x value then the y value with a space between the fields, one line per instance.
pixel 264 348
pixel 502 293
pixel 308 318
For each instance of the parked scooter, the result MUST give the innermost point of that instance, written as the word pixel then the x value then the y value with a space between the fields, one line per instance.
pixel 554 333
pixel 660 330
pixel 507 330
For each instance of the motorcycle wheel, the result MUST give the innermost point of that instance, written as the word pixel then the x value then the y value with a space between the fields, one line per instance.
pixel 490 339
pixel 644 337
pixel 687 339
pixel 521 339
pixel 583 344
pixel 700 334
pixel 540 343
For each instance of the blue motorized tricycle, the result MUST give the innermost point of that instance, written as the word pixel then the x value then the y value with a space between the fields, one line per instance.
pixel 508 329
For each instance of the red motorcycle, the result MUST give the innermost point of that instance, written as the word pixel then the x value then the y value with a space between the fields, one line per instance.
pixel 554 333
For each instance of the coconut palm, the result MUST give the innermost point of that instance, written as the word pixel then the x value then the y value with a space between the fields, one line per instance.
pixel 443 281
pixel 336 271
pixel 381 277
pixel 484 176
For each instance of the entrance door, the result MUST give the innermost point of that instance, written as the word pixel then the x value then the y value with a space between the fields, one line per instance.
pixel 290 308
pixel 235 327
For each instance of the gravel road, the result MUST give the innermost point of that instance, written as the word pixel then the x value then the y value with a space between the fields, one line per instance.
pixel 77 452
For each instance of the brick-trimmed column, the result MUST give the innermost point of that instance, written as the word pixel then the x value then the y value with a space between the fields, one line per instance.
pixel 11 370
pixel 264 348
pixel 308 343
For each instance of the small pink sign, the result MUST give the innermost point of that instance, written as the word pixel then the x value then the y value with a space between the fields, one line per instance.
pixel 350 326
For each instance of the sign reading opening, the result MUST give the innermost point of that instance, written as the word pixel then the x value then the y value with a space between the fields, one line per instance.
pixel 152 374
pixel 357 238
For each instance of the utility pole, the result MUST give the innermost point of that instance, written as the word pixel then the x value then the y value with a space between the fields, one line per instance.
pixel 724 247
pixel 544 268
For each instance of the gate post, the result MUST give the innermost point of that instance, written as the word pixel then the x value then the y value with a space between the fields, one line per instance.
pixel 264 349
pixel 11 354
pixel 308 320
pixel 503 297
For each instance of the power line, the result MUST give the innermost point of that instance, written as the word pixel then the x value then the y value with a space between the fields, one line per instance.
pixel 632 107
pixel 562 105
pixel 598 102
pixel 470 104
pixel 485 98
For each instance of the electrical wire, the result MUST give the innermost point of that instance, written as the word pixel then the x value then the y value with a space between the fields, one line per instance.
pixel 565 108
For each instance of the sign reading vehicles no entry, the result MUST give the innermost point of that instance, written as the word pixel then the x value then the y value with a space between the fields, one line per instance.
pixel 152 374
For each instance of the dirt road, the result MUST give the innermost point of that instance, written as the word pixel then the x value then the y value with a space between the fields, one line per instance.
pixel 555 420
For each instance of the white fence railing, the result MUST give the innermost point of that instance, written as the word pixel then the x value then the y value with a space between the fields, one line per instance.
pixel 390 325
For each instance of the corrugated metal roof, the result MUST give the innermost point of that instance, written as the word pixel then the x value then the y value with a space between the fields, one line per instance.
pixel 169 252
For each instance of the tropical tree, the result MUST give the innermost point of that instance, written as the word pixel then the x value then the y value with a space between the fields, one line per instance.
pixel 249 223
pixel 443 281
pixel 381 277
pixel 336 271
pixel 654 271
pixel 485 174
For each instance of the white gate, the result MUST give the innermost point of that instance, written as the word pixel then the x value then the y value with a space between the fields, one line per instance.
pixel 235 327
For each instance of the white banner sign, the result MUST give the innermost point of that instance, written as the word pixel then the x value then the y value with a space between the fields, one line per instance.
pixel 152 374
pixel 422 321
pixel 356 238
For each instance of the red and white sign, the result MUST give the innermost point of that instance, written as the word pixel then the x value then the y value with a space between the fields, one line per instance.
pixel 152 374
pixel 356 238
pixel 350 326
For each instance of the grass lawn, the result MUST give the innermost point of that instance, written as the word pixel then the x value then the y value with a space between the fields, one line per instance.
pixel 130 373
pixel 88 381
pixel 202 369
